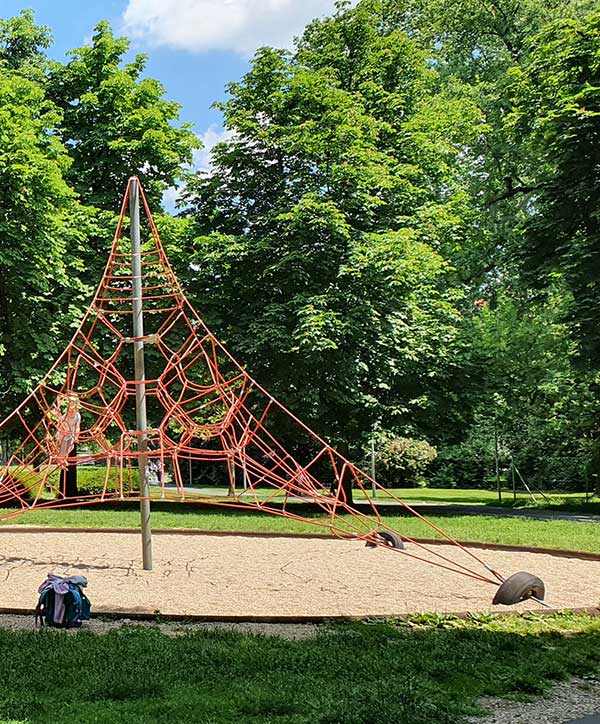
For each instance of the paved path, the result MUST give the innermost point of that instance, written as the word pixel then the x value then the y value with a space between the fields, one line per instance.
pixel 540 514
pixel 594 719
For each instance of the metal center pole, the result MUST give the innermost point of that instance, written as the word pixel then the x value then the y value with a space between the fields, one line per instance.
pixel 373 488
pixel 140 373
pixel 497 461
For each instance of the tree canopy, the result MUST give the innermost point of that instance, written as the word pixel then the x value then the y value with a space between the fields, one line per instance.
pixel 399 235
pixel 70 136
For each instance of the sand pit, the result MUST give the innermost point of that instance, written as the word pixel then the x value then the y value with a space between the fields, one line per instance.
pixel 262 576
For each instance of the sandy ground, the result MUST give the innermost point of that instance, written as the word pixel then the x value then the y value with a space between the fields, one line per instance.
pixel 208 575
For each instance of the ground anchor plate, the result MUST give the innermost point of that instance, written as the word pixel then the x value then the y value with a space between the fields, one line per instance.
pixel 519 587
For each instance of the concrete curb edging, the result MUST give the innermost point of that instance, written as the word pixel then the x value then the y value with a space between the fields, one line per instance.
pixel 137 615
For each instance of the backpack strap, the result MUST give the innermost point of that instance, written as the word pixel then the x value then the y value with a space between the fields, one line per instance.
pixel 40 609
pixel 86 607
pixel 39 619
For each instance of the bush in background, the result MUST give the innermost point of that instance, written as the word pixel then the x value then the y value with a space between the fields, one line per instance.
pixel 90 480
pixel 401 462
pixel 467 465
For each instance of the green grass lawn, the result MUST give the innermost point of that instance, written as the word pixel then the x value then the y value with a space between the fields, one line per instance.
pixel 453 496
pixel 427 671
pixel 442 495
pixel 91 480
pixel 515 531
pixel 421 495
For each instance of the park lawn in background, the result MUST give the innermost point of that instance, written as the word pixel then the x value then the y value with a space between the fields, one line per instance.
pixel 564 534
pixel 412 495
pixel 91 480
pixel 428 669
pixel 458 496
pixel 451 496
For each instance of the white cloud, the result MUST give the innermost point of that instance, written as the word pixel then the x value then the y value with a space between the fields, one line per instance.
pixel 239 25
pixel 201 161
pixel 170 198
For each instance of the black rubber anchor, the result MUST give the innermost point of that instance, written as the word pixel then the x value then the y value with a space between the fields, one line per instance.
pixel 519 587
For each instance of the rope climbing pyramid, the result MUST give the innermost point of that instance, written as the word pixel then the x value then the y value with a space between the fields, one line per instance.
pixel 141 341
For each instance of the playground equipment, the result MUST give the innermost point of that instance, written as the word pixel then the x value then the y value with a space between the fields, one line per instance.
pixel 189 399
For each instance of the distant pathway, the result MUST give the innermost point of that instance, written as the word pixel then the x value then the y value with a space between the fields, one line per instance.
pixel 452 509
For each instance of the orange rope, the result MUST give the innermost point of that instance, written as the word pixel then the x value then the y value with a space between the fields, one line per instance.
pixel 205 405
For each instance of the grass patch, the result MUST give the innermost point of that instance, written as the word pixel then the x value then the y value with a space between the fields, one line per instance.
pixel 560 502
pixel 486 529
pixel 431 669
pixel 409 495
pixel 452 496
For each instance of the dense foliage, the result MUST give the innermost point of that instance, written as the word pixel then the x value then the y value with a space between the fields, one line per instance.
pixel 400 233
pixel 70 136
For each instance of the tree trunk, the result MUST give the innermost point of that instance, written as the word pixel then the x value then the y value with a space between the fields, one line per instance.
pixel 345 488
pixel 68 477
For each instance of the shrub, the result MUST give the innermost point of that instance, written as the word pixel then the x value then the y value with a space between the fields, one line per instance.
pixel 402 461
pixel 19 483
pixel 467 465
pixel 555 471
pixel 90 480
pixel 471 464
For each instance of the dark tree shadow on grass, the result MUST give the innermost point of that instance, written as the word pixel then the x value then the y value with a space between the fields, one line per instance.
pixel 428 671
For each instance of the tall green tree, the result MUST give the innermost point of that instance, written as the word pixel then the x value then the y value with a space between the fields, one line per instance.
pixel 321 220
pixel 70 136
pixel 476 48
pixel 529 389
pixel 116 124
pixel 22 44
pixel 35 206
pixel 557 113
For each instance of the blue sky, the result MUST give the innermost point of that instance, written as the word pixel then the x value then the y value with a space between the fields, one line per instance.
pixel 195 47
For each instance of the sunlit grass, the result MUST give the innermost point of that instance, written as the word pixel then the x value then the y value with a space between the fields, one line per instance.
pixel 486 529
pixel 453 496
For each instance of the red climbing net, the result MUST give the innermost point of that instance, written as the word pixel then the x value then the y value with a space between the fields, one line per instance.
pixel 202 406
